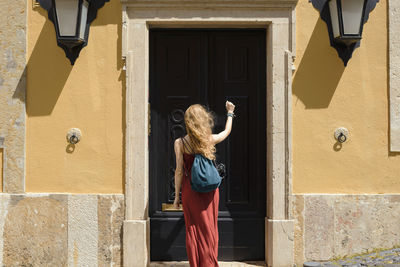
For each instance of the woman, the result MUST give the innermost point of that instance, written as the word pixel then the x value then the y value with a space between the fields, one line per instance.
pixel 200 209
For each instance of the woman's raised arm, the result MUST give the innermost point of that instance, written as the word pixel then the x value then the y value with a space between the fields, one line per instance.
pixel 217 138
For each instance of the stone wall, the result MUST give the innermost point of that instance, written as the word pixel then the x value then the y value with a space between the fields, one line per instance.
pixel 12 92
pixel 332 226
pixel 61 229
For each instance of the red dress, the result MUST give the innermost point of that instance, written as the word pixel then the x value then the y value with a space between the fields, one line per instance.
pixel 201 220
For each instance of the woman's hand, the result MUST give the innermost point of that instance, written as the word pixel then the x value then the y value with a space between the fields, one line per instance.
pixel 230 107
pixel 176 203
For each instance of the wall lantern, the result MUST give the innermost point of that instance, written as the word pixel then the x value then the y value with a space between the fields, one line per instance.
pixel 71 19
pixel 345 20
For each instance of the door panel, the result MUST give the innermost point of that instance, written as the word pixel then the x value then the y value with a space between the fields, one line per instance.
pixel 209 67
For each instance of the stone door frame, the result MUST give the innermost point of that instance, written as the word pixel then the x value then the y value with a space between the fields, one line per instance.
pixel 278 18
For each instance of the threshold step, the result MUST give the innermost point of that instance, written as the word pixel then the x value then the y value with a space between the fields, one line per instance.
pixel 221 264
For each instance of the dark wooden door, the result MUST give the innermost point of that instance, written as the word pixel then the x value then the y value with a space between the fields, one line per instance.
pixel 210 67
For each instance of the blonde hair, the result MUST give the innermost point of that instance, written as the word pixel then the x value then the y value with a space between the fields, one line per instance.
pixel 199 123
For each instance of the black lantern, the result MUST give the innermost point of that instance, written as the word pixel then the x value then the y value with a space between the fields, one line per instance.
pixel 71 19
pixel 345 20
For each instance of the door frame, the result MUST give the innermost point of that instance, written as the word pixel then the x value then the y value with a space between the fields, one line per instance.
pixel 278 18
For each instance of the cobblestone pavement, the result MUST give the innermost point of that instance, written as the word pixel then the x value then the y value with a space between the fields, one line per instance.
pixel 386 258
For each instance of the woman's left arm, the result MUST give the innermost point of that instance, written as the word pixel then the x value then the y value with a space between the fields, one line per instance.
pixel 178 170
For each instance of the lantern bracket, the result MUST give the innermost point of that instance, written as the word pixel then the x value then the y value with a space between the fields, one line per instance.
pixel 70 47
pixel 344 50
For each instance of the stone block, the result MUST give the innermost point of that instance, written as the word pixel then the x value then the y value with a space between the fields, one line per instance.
pixel 110 213
pixel 298 216
pixel 61 229
pixel 136 249
pixel 280 239
pixel 35 231
pixel 318 227
pixel 366 222
pixel 329 226
pixel 82 230
pixel 4 202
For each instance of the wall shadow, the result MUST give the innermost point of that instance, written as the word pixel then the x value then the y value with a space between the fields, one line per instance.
pixel 20 89
pixel 47 71
pixel 48 61
pixel 319 71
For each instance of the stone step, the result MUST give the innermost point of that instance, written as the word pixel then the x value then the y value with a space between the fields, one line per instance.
pixel 221 264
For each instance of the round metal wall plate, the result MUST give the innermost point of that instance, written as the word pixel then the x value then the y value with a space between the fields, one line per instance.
pixel 72 132
pixel 341 130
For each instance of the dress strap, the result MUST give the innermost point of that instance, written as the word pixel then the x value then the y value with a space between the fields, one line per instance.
pixel 184 167
pixel 184 144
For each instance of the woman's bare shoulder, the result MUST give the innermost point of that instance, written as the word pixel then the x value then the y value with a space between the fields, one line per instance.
pixel 177 143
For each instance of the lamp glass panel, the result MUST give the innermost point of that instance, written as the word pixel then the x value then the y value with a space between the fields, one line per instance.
pixel 67 16
pixel 84 12
pixel 334 18
pixel 352 13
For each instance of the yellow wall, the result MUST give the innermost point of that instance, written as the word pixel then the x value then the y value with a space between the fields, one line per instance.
pixel 326 95
pixel 88 96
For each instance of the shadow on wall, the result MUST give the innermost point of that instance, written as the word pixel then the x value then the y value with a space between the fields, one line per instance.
pixel 48 62
pixel 319 71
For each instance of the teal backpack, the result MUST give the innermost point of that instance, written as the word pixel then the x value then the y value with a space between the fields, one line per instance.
pixel 205 176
